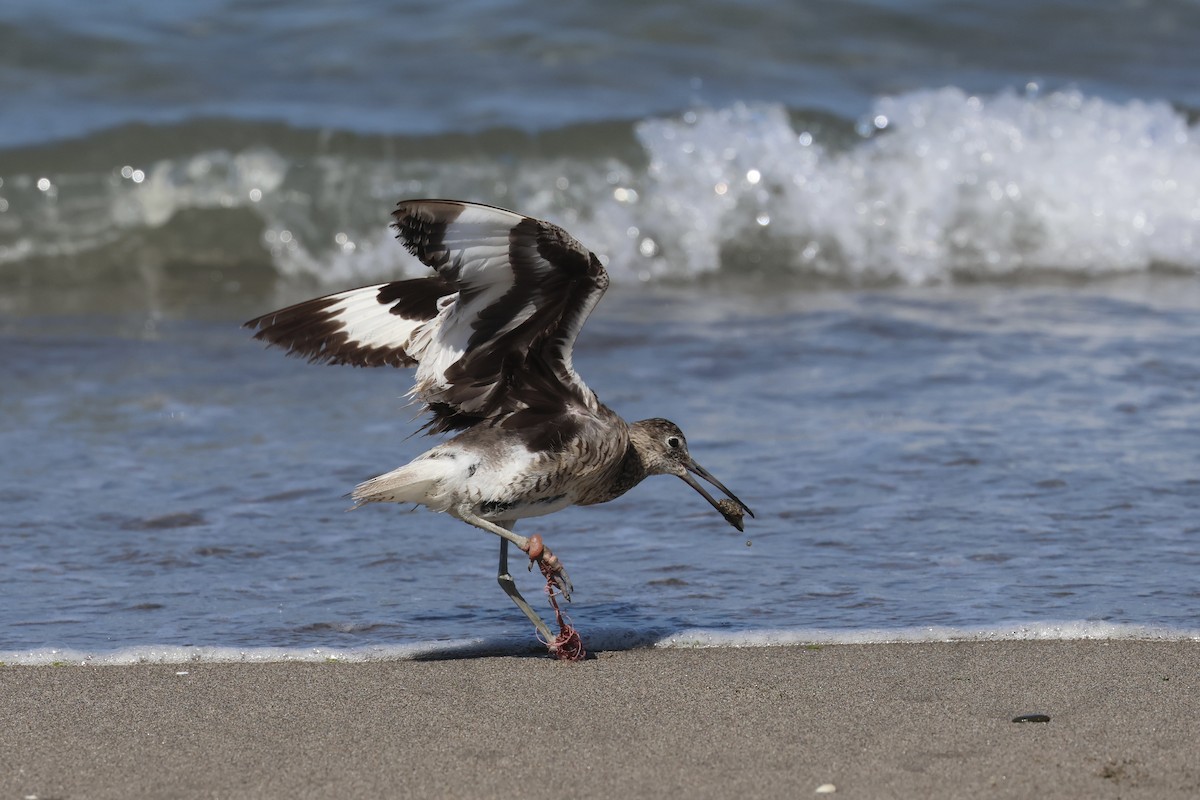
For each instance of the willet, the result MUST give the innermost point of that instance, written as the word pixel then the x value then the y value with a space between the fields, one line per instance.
pixel 491 334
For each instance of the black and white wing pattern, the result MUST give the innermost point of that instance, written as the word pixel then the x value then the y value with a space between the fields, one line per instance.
pixel 491 332
pixel 365 327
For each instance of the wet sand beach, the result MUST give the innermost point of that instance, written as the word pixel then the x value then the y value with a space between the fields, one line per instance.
pixel 929 719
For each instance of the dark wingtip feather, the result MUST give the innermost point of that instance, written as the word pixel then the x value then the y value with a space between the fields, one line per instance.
pixel 310 330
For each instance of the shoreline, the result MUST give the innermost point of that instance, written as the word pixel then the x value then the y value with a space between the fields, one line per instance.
pixel 874 720
pixel 601 640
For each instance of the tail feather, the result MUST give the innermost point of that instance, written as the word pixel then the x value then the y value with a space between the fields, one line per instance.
pixel 421 481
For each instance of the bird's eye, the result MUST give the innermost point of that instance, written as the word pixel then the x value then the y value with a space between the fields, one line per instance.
pixel 673 442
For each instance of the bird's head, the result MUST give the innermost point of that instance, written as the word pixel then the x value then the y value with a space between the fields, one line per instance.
pixel 664 451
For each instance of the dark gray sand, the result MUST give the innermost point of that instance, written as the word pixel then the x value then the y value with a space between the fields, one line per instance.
pixel 920 720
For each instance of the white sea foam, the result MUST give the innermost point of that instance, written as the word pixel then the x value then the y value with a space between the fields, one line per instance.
pixel 600 639
pixel 1015 632
pixel 940 185
pixel 943 184
pixel 937 185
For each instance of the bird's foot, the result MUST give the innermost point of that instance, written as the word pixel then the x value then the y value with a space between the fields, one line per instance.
pixel 567 646
pixel 551 567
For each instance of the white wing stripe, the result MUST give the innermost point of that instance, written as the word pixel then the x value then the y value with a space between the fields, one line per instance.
pixel 491 334
pixel 368 323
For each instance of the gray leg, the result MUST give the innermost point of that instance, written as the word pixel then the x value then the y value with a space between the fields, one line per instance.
pixel 567 645
pixel 502 529
pixel 510 588
pixel 541 554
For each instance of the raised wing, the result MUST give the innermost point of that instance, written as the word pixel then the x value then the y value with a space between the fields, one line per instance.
pixel 366 327
pixel 525 288
pixel 492 332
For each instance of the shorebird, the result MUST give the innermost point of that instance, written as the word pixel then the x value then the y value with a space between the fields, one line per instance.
pixel 490 334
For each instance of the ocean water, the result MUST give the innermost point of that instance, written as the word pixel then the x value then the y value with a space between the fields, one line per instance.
pixel 919 281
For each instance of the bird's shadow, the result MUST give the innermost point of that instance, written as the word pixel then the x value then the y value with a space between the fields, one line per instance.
pixel 595 642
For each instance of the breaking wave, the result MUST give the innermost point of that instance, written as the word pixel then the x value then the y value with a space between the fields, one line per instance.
pixel 929 187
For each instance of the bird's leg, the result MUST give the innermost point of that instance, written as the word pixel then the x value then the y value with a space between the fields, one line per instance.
pixel 510 588
pixel 551 567
pixel 567 645
pixel 532 546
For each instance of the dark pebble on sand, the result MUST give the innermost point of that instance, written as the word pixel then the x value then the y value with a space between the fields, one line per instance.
pixel 1032 718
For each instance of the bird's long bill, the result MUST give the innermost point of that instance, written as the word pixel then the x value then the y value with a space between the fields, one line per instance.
pixel 732 512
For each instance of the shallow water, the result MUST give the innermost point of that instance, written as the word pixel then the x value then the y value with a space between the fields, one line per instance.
pixel 957 459
pixel 919 283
